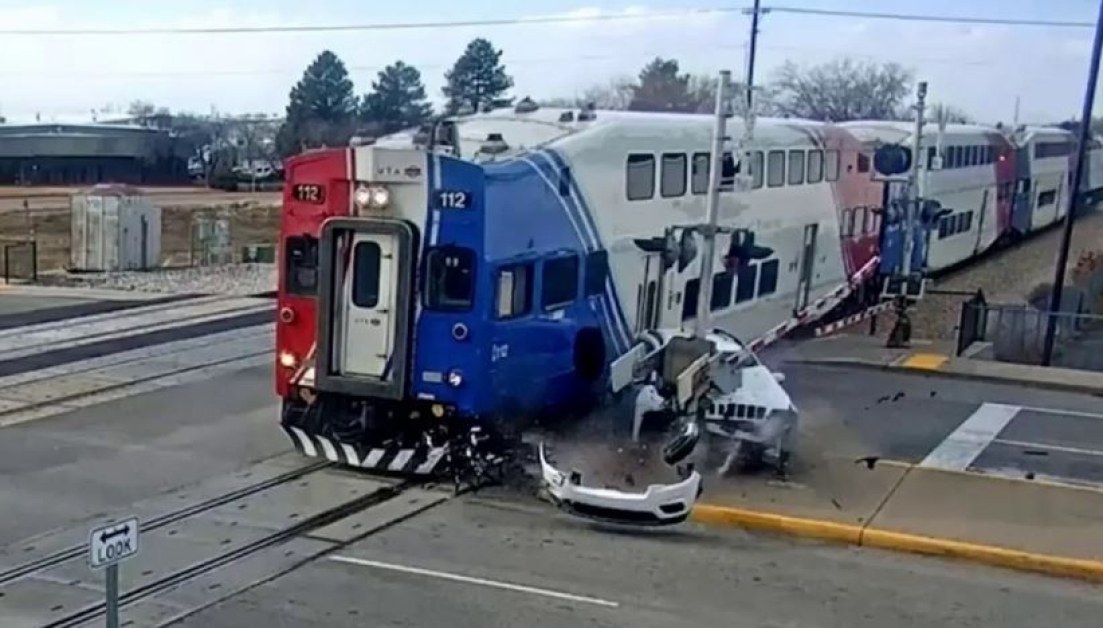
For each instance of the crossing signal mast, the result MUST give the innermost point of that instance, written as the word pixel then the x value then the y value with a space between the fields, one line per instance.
pixel 907 219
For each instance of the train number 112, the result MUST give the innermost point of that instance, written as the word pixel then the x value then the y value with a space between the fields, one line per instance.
pixel 453 199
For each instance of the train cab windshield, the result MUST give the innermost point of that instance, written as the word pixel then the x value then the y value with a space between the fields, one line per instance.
pixel 450 278
pixel 301 258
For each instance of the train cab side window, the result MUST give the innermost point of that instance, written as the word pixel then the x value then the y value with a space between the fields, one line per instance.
pixel 560 282
pixel 515 290
pixel 767 280
pixel 597 269
pixel 831 165
pixel 775 168
pixel 700 178
pixel 450 279
pixel 815 166
pixel 758 169
pixel 641 177
pixel 673 175
pixel 796 167
pixel 301 265
pixel 745 284
pixel 863 162
pixel 722 284
pixel 366 258
pixel 930 157
pixel 689 300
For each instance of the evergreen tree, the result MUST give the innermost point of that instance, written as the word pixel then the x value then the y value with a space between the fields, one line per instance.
pixel 478 79
pixel 662 88
pixel 397 100
pixel 322 108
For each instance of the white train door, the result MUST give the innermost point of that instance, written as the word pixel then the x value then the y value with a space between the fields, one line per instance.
pixel 367 305
pixel 807 266
pixel 649 293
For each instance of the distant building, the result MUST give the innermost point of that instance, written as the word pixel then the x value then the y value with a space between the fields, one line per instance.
pixel 82 154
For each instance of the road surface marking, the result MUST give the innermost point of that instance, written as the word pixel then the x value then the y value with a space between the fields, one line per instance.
pixel 1076 413
pixel 926 361
pixel 1061 448
pixel 969 440
pixel 470 580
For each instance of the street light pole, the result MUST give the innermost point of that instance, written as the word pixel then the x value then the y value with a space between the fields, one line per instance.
pixel 1074 193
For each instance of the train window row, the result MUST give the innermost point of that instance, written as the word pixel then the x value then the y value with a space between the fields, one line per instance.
pixel 860 221
pixel 963 156
pixel 679 174
pixel 954 224
pixel 749 282
pixel 559 286
pixel 1052 149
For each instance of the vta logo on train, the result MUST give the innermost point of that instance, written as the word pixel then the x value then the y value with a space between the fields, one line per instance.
pixel 410 171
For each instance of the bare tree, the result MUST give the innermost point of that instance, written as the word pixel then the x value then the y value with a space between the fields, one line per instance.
pixel 842 90
pixel 614 94
pixel 949 113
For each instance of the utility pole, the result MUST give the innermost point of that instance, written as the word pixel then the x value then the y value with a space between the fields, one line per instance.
pixel 753 49
pixel 1074 195
pixel 709 230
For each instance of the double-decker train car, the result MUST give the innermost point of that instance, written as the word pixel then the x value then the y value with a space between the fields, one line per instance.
pixel 491 269
pixel 494 269
pixel 1044 163
pixel 973 181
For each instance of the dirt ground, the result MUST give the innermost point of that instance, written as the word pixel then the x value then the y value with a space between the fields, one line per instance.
pixel 253 218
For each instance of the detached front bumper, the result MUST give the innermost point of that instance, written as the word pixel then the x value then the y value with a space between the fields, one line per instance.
pixel 660 504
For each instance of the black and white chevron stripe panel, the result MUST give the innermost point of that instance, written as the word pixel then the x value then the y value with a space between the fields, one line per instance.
pixel 411 461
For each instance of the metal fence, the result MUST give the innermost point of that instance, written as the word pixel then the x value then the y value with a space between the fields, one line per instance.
pixel 1016 333
pixel 20 260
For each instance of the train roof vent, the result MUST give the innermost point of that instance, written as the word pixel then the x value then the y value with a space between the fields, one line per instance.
pixel 494 144
pixel 526 105
pixel 566 116
pixel 587 113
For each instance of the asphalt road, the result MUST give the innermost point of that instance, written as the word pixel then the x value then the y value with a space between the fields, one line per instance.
pixel 102 458
pixel 479 563
pixel 532 566
pixel 906 417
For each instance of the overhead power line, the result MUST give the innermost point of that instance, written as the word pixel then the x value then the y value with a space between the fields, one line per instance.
pixel 915 17
pixel 562 19
pixel 378 26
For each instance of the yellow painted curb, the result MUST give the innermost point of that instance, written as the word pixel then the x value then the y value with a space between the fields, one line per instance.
pixel 795 526
pixel 987 554
pixel 899 541
pixel 925 361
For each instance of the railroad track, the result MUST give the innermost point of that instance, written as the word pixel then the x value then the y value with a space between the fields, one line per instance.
pixel 75 552
pixel 181 576
pixel 338 505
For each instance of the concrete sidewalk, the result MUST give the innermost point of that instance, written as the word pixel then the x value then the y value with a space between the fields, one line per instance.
pixel 1029 525
pixel 933 357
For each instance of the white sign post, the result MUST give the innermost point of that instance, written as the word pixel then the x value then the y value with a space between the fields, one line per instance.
pixel 107 547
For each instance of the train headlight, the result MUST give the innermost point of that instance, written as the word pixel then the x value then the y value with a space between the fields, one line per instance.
pixel 371 197
pixel 287 359
pixel 455 378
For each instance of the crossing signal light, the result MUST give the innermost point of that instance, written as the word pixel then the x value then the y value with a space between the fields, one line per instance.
pixel 892 159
